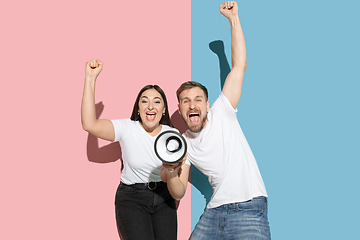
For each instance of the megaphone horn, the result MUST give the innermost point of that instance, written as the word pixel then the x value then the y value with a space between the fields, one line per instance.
pixel 173 144
pixel 170 147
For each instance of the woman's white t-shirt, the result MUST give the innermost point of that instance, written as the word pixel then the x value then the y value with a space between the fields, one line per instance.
pixel 137 146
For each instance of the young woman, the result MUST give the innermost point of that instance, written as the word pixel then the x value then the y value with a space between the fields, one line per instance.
pixel 145 209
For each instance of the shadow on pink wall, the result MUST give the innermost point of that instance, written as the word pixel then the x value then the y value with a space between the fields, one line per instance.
pixel 178 122
pixel 105 154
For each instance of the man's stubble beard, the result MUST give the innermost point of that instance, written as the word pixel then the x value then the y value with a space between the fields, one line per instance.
pixel 202 125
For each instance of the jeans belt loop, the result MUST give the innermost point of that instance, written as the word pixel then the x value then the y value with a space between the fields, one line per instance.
pixel 150 187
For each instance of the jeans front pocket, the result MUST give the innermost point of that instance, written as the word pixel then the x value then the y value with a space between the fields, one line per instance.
pixel 123 192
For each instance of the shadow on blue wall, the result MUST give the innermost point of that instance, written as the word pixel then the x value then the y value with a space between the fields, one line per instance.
pixel 218 48
pixel 199 180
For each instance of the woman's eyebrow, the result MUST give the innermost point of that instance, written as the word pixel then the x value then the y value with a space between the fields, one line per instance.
pixel 153 97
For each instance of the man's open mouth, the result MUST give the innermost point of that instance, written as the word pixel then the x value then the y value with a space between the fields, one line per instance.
pixel 194 117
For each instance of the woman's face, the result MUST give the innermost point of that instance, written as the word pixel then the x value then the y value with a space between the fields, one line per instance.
pixel 151 109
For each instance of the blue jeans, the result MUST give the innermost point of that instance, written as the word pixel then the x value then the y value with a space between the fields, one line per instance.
pixel 145 214
pixel 245 221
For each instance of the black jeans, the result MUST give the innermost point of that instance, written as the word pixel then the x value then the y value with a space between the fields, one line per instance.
pixel 144 214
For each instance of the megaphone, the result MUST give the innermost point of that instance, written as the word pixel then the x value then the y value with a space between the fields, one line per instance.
pixel 170 147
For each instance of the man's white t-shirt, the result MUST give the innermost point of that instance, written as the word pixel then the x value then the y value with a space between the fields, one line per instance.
pixel 141 165
pixel 221 152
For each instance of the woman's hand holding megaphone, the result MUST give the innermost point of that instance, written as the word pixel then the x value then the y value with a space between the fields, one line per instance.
pixel 172 170
pixel 175 177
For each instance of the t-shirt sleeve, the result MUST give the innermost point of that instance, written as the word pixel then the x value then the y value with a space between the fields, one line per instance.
pixel 121 128
pixel 222 103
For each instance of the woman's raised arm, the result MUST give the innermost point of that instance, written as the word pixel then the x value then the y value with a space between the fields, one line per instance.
pixel 102 128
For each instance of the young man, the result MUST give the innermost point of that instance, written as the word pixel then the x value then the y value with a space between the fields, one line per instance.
pixel 218 148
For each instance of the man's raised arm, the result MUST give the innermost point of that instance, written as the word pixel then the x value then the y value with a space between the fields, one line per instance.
pixel 233 83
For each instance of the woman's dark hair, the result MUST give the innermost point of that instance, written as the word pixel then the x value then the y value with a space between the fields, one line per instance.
pixel 165 120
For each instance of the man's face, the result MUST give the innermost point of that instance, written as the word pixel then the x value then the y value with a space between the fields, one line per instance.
pixel 193 108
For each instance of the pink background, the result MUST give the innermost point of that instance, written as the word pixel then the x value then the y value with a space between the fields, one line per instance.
pixel 52 187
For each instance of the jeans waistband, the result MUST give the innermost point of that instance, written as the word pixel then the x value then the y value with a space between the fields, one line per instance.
pixel 145 186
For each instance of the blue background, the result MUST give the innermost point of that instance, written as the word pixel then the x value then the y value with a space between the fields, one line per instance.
pixel 299 108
